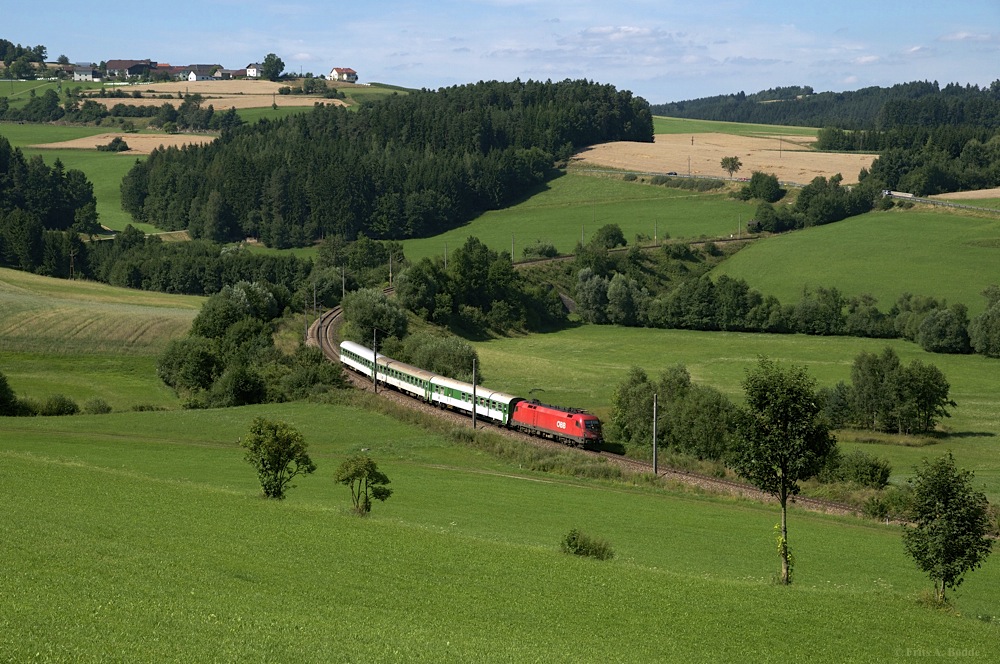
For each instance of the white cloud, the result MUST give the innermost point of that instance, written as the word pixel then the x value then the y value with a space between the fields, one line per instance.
pixel 967 37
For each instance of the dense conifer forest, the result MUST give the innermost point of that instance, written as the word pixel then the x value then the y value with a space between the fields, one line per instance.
pixel 407 166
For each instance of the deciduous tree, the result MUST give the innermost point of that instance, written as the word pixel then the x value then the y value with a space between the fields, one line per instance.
pixel 278 452
pixel 780 438
pixel 272 67
pixel 952 521
pixel 361 473
pixel 731 165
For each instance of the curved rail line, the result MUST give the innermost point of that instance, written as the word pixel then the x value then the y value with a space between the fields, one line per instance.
pixel 323 334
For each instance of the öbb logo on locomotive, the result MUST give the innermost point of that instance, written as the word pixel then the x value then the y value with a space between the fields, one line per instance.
pixel 568 425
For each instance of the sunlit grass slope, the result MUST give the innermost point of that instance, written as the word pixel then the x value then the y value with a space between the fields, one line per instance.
pixel 666 125
pixel 938 253
pixel 571 208
pixel 85 339
pixel 141 536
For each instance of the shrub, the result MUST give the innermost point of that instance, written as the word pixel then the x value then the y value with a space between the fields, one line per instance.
pixel 58 404
pixel 581 544
pixel 117 144
pixel 96 406
pixel 540 250
pixel 864 469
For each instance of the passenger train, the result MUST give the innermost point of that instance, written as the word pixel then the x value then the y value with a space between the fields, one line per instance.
pixel 567 425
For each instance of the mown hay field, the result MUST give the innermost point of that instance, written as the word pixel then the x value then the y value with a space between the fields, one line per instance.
pixel 787 156
pixel 86 339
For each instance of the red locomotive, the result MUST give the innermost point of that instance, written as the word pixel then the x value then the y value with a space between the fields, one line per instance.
pixel 568 425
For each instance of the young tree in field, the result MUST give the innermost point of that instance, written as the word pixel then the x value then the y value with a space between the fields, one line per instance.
pixel 278 452
pixel 952 521
pixel 731 165
pixel 780 438
pixel 361 473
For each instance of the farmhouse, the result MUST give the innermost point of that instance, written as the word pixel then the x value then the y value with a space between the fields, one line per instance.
pixel 129 68
pixel 200 72
pixel 86 74
pixel 345 74
pixel 253 70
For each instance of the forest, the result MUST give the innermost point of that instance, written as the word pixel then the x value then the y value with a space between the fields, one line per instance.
pixel 406 166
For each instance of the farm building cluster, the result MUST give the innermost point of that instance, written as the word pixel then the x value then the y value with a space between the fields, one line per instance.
pixel 150 69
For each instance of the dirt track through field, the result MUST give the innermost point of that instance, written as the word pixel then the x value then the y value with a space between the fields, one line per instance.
pixel 788 157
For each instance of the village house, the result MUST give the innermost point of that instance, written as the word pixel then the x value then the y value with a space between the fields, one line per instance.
pixel 200 72
pixel 345 74
pixel 129 68
pixel 88 73
pixel 253 70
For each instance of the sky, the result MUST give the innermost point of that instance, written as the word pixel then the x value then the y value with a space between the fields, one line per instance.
pixel 662 50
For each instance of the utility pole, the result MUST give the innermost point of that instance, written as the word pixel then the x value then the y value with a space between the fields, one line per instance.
pixel 655 469
pixel 511 247
pixel 445 255
pixel 473 393
pixel 374 360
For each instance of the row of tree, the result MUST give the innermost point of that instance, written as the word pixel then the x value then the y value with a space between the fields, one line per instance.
pixel 618 293
pixel 922 103
pixel 406 166
pixel 700 421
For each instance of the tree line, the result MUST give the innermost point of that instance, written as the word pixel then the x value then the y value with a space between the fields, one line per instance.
pixel 669 288
pixel 922 103
pixel 406 166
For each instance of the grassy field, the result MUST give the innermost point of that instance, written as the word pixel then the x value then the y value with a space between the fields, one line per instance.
pixel 574 206
pixel 86 340
pixel 153 545
pixel 104 169
pixel 580 367
pixel 665 125
pixel 939 253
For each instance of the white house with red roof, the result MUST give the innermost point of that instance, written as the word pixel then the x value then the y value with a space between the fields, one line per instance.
pixel 345 74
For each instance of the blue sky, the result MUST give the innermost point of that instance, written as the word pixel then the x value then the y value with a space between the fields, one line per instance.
pixel 663 50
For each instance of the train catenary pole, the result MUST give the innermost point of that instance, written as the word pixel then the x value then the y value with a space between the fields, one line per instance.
pixel 654 435
pixel 374 361
pixel 473 393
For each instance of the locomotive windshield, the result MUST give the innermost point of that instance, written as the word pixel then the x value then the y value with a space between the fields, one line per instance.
pixel 593 425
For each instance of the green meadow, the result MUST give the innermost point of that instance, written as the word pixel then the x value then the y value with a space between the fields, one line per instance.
pixel 141 536
pixel 571 208
pixel 939 253
pixel 104 169
pixel 665 125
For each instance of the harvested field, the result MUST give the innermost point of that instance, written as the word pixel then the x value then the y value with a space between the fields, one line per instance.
pixel 790 158
pixel 137 143
pixel 970 195
pixel 223 95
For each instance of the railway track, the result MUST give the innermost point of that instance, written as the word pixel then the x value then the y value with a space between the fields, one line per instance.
pixel 323 333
